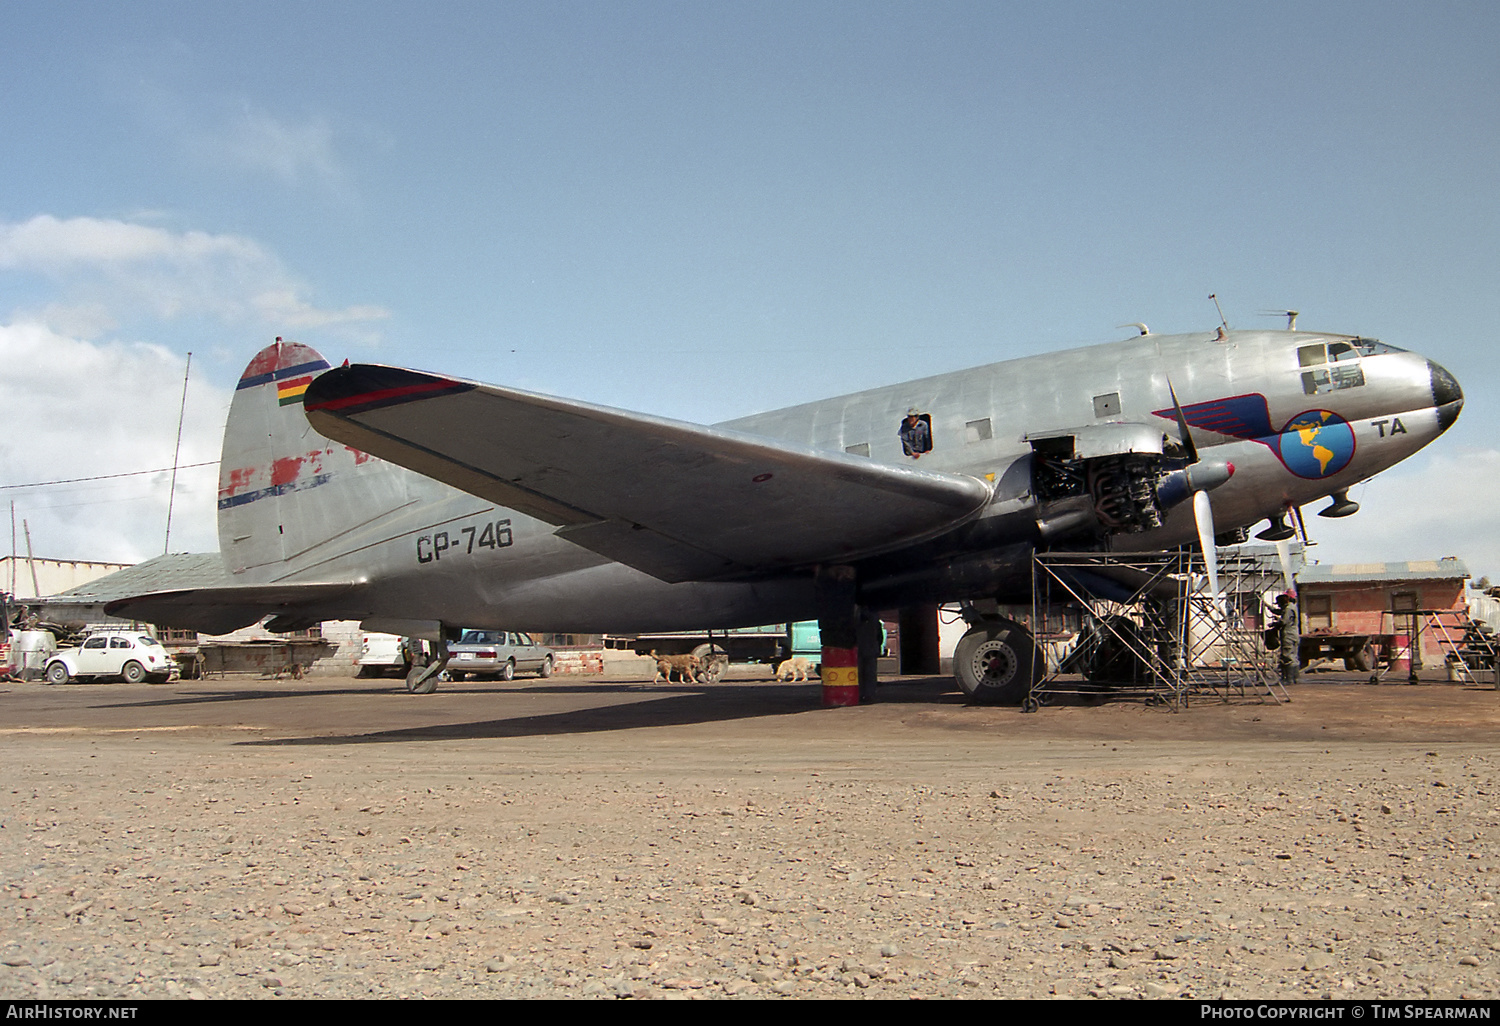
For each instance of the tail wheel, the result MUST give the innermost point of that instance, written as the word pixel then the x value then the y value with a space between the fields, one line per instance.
pixel 996 663
pixel 419 685
pixel 712 662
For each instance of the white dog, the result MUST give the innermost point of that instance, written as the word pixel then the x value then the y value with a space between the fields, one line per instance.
pixel 795 668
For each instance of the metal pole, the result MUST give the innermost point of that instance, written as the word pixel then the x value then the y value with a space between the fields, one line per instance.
pixel 176 453
pixel 36 589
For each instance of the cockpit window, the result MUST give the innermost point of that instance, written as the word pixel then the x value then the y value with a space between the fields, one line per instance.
pixel 1333 366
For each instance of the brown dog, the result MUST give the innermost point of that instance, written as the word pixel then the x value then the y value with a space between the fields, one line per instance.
pixel 685 666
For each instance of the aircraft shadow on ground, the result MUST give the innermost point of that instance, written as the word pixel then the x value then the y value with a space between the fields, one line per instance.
pixel 677 706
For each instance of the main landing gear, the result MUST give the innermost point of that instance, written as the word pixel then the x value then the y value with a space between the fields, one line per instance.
pixel 997 661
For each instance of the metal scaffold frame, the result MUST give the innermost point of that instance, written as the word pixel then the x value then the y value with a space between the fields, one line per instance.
pixel 1149 628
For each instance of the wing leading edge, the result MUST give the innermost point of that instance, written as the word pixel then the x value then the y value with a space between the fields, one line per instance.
pixel 678 501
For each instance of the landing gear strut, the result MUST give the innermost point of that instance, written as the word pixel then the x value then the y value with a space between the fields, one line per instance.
pixel 423 679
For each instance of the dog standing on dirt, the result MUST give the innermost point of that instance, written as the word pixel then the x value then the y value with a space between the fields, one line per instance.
pixel 795 668
pixel 685 666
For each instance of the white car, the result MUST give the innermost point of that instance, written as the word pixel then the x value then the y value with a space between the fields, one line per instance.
pixel 129 655
pixel 499 654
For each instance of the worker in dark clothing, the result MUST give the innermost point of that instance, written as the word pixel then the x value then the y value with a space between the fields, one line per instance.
pixel 1291 637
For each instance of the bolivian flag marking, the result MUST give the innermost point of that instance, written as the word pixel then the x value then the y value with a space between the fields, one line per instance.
pixel 290 391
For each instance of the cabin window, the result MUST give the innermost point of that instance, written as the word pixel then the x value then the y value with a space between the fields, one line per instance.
pixel 1330 367
pixel 862 449
pixel 1107 405
pixel 978 430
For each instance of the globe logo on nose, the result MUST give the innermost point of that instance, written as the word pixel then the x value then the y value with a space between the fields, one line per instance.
pixel 1318 443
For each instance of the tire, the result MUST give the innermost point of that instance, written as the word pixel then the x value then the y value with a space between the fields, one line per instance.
pixel 425 687
pixel 57 673
pixel 508 671
pixel 1362 661
pixel 546 668
pixel 1116 656
pixel 133 672
pixel 996 663
pixel 712 662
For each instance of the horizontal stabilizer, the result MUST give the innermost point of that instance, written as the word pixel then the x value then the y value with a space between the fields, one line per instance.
pixel 221 610
pixel 678 501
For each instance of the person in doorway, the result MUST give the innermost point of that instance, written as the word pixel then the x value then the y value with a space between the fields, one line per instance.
pixel 916 433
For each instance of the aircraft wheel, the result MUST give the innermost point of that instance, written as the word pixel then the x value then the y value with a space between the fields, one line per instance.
pixel 133 672
pixel 546 669
pixel 713 661
pixel 57 673
pixel 508 671
pixel 416 685
pixel 996 663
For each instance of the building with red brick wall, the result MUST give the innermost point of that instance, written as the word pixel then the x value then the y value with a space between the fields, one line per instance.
pixel 1382 598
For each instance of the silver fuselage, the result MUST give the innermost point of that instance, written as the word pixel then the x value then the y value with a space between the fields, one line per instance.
pixel 413 539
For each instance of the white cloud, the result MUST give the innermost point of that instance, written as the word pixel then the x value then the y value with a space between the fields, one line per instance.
pixel 80 403
pixel 292 152
pixel 1436 505
pixel 117 269
pixel 284 306
pixel 79 409
pixel 48 243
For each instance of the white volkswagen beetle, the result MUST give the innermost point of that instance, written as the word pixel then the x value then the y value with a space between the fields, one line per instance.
pixel 129 655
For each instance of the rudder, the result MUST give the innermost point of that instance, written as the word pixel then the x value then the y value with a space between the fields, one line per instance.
pixel 285 490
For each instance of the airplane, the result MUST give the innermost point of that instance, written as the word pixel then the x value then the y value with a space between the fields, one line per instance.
pixel 419 502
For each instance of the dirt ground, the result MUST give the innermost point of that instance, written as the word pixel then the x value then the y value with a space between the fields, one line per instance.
pixel 582 837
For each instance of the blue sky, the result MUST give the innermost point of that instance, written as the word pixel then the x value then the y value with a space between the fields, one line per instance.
pixel 702 210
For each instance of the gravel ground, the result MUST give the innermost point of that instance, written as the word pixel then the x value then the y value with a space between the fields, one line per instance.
pixel 339 839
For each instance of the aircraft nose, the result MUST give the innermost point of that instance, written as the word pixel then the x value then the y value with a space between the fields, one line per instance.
pixel 1446 395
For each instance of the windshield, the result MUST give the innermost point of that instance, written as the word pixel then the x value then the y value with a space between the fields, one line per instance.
pixel 1372 347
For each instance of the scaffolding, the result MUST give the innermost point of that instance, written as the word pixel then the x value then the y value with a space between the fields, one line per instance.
pixel 1469 647
pixel 1149 629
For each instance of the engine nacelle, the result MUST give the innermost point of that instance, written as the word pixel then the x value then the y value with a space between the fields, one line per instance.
pixel 1118 478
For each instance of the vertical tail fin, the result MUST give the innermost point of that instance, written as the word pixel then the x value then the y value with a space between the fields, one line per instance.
pixel 285 490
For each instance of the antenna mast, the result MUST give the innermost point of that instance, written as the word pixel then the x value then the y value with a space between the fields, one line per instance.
pixel 1215 297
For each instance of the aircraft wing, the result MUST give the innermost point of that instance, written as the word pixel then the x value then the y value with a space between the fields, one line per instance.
pixel 678 501
pixel 224 609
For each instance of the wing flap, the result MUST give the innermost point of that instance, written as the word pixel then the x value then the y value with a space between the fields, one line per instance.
pixel 678 501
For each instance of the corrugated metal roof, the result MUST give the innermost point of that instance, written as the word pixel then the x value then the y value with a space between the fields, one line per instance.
pixel 1359 573
pixel 164 573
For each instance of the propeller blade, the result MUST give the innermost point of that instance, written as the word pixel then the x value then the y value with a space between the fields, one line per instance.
pixel 1284 553
pixel 1203 513
pixel 1182 425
